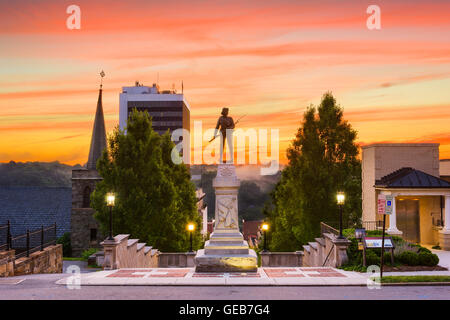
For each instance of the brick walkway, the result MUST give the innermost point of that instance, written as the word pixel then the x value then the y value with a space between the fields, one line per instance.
pixel 188 276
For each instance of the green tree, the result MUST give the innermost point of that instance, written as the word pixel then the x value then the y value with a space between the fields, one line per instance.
pixel 155 199
pixel 323 159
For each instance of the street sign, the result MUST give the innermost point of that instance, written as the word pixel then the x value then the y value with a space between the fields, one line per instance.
pixel 376 243
pixel 381 204
pixel 389 204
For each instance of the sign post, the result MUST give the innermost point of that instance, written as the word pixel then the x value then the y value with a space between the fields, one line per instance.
pixel 384 207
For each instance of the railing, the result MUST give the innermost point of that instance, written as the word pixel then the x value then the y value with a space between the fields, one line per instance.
pixel 325 228
pixel 33 241
pixel 372 225
pixel 5 236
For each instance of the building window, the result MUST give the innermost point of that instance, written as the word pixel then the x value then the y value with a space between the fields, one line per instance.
pixel 93 235
pixel 87 197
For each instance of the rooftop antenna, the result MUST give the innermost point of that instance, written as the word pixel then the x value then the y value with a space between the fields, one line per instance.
pixel 102 74
pixel 182 87
pixel 157 78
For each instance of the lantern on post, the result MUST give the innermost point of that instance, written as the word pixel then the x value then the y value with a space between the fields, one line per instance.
pixel 110 202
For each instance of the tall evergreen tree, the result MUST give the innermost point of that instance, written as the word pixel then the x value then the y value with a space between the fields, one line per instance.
pixel 155 199
pixel 323 159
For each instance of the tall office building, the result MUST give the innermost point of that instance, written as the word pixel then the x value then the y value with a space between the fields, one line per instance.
pixel 168 109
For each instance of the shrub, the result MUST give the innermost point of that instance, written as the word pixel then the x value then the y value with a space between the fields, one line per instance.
pixel 409 258
pixel 428 259
pixel 349 233
pixel 87 253
pixel 423 249
pixel 436 247
pixel 404 247
pixel 65 241
pixel 387 258
pixel 372 258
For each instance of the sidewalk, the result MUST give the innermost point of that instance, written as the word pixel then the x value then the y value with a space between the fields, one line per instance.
pixel 188 277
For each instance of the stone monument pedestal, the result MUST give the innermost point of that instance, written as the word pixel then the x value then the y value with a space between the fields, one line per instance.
pixel 226 251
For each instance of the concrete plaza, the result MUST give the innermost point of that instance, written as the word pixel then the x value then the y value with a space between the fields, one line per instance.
pixel 43 286
pixel 294 276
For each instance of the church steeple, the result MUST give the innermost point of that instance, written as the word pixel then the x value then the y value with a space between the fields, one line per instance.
pixel 98 140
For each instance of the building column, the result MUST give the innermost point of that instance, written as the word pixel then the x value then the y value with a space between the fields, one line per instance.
pixel 446 227
pixel 393 219
pixel 444 234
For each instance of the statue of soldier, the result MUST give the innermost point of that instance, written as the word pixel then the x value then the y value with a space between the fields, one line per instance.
pixel 226 125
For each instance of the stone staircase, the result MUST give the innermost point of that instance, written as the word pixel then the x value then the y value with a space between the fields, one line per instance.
pixel 129 253
pixel 327 251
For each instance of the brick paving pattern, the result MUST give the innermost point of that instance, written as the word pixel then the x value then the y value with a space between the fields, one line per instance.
pixel 270 272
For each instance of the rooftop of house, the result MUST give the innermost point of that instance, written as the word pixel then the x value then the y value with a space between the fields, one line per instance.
pixel 251 228
pixel 411 178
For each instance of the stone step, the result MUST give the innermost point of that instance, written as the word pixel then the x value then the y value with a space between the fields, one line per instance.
pixel 313 245
pixel 147 249
pixel 227 239
pixel 224 236
pixel 132 242
pixel 121 237
pixel 214 248
pixel 226 244
pixel 307 248
pixel 140 246
pixel 320 241
pixel 226 251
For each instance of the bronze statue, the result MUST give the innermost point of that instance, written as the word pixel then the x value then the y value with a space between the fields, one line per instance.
pixel 224 124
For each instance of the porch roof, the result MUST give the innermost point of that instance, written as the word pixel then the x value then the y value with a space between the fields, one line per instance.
pixel 411 178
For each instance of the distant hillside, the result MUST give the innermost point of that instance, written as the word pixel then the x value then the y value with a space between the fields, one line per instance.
pixel 36 174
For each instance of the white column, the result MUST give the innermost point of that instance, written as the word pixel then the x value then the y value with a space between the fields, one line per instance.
pixel 393 219
pixel 446 227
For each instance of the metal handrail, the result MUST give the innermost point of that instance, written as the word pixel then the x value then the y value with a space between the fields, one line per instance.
pixel 372 225
pixel 325 228
pixel 43 242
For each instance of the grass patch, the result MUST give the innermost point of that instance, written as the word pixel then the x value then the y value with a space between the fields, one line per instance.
pixel 73 259
pixel 403 279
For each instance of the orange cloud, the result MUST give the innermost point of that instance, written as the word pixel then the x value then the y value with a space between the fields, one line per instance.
pixel 267 59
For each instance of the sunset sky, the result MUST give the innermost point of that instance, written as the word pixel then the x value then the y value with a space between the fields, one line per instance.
pixel 267 59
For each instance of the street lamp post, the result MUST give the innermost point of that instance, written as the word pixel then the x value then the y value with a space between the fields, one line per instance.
pixel 340 201
pixel 265 227
pixel 110 202
pixel 190 228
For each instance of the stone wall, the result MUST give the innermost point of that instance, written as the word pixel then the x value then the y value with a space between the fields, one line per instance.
pixel 176 259
pixel 7 263
pixel 50 260
pixel 123 252
pixel 282 259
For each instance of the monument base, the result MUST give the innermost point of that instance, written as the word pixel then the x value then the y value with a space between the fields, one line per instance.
pixel 226 252
pixel 226 263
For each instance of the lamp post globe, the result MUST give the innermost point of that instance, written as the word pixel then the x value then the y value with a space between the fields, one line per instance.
pixel 265 227
pixel 340 197
pixel 110 202
pixel 191 228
